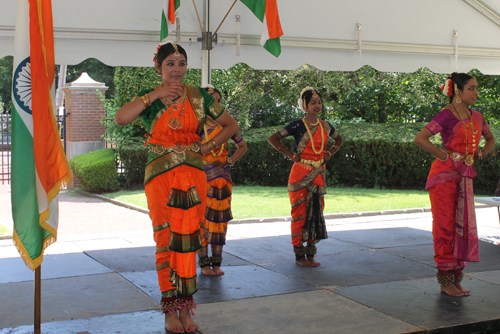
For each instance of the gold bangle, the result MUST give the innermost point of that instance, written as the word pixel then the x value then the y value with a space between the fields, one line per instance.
pixel 215 143
pixel 147 98
pixel 145 101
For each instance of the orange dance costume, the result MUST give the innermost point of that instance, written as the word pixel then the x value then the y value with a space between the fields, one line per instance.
pixel 218 207
pixel 176 189
pixel 452 195
pixel 306 184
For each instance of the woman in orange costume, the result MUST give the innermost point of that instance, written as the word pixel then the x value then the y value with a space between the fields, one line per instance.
pixel 450 180
pixel 175 182
pixel 306 184
pixel 220 187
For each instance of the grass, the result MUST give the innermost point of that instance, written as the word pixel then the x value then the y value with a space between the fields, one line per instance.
pixel 4 231
pixel 262 202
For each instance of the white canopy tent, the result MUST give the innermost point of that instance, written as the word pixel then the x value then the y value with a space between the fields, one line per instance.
pixel 390 35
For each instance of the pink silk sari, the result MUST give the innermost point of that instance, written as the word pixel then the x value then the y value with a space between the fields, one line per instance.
pixel 452 194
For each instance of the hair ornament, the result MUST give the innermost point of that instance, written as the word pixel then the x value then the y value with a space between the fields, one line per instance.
pixel 209 88
pixel 162 43
pixel 447 88
pixel 300 101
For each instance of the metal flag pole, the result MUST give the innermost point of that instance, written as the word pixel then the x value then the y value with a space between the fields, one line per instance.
pixel 206 45
pixel 38 299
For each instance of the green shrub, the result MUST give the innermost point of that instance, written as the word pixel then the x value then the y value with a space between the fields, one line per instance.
pixel 96 170
pixel 373 155
pixel 132 156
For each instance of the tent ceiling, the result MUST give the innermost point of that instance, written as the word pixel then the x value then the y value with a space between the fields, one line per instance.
pixel 394 35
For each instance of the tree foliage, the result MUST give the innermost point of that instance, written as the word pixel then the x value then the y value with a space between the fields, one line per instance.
pixel 260 98
pixel 6 82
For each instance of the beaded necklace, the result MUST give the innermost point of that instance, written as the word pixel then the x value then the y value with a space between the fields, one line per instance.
pixel 310 135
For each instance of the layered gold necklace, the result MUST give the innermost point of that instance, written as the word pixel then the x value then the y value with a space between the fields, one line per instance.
pixel 311 137
pixel 175 122
pixel 466 126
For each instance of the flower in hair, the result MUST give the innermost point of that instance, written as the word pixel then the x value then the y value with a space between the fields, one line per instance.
pixel 447 88
pixel 209 88
pixel 162 43
pixel 300 101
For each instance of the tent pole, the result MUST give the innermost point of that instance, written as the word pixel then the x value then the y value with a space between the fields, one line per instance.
pixel 38 299
pixel 206 45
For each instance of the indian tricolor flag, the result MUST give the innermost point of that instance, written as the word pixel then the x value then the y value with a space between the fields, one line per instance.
pixel 267 12
pixel 168 23
pixel 39 167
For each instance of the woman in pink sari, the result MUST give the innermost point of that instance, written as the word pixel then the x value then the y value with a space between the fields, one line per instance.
pixel 450 180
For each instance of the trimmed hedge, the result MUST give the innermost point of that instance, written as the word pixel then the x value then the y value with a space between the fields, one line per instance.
pixel 373 155
pixel 133 157
pixel 96 170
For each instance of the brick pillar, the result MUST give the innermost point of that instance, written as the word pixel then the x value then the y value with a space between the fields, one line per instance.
pixel 84 110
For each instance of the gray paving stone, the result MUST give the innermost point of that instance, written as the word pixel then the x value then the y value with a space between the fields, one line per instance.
pixel 384 237
pixel 280 248
pixel 419 302
pixel 239 282
pixel 297 313
pixel 71 298
pixel 53 266
pixel 357 268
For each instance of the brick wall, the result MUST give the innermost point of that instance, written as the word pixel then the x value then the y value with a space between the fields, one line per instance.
pixel 84 122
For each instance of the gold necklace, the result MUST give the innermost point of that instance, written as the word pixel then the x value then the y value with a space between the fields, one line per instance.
pixel 311 137
pixel 467 126
pixel 206 141
pixel 317 121
pixel 175 122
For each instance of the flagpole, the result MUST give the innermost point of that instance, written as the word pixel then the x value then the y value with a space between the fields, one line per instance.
pixel 38 299
pixel 206 45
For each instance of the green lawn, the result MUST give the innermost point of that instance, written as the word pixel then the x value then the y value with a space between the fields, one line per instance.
pixel 4 231
pixel 262 202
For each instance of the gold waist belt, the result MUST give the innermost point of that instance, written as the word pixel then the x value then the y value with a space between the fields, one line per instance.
pixel 214 163
pixel 313 163
pixel 178 148
pixel 456 156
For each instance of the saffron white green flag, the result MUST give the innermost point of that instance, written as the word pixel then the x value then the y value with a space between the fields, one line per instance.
pixel 267 12
pixel 168 23
pixel 39 167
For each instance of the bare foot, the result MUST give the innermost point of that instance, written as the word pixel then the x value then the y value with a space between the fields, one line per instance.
pixel 451 290
pixel 303 262
pixel 207 271
pixel 218 271
pixel 462 289
pixel 313 262
pixel 189 325
pixel 172 323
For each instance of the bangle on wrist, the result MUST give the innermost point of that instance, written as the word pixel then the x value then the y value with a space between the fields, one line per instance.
pixel 330 153
pixel 215 143
pixel 447 156
pixel 145 101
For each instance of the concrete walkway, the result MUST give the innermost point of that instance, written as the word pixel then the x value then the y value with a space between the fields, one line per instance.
pixel 377 275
